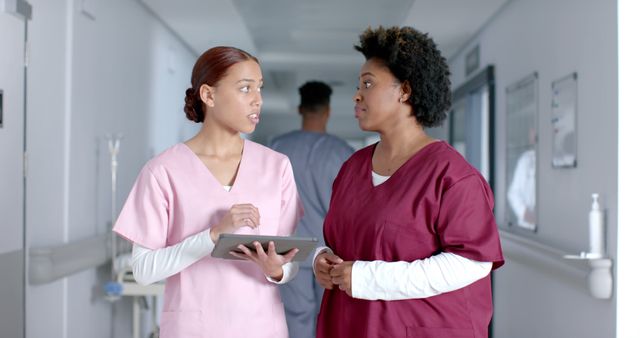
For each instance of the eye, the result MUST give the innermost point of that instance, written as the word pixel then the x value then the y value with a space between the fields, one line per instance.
pixel 259 89
pixel 365 84
pixel 244 89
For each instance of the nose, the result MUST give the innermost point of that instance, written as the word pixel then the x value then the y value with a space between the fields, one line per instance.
pixel 258 99
pixel 357 97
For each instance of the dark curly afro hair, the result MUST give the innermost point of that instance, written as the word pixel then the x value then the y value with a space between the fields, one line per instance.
pixel 413 57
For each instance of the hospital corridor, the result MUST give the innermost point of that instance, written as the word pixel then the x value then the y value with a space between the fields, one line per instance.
pixel 101 99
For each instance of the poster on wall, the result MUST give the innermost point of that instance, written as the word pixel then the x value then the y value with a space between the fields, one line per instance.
pixel 521 147
pixel 564 106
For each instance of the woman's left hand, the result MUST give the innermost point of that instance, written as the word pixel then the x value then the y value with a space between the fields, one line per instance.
pixel 341 276
pixel 270 262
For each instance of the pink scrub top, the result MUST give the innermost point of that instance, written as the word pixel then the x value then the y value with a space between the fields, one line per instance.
pixel 176 196
pixel 436 202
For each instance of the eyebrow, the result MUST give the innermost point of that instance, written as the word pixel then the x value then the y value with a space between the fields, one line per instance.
pixel 248 80
pixel 367 73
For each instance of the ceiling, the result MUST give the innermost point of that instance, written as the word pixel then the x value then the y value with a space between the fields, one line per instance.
pixel 300 40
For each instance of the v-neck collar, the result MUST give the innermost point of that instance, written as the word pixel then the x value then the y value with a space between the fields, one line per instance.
pixel 369 167
pixel 207 172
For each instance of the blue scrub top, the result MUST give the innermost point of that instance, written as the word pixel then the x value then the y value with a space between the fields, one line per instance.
pixel 316 159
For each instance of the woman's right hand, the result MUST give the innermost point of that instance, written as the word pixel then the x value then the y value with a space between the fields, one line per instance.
pixel 322 265
pixel 239 215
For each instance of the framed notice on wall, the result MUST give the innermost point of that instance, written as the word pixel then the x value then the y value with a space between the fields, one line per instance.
pixel 1 105
pixel 521 148
pixel 564 107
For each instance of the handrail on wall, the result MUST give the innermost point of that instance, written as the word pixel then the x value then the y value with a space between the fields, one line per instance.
pixel 47 264
pixel 594 273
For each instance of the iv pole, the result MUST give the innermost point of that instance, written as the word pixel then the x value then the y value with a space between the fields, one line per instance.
pixel 113 289
pixel 114 149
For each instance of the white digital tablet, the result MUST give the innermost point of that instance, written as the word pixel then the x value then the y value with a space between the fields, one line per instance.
pixel 230 242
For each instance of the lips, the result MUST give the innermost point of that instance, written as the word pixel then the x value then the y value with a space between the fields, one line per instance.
pixel 255 117
pixel 358 111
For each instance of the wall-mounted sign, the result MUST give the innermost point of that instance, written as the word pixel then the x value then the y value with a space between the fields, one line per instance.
pixel 564 106
pixel 472 60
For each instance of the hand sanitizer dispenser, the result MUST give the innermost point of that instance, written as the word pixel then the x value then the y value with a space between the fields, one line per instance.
pixel 596 229
pixel 600 277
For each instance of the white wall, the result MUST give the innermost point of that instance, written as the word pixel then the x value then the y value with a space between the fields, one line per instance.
pixel 87 78
pixel 556 38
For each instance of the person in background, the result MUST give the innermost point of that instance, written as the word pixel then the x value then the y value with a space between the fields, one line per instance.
pixel 410 233
pixel 522 189
pixel 212 184
pixel 316 157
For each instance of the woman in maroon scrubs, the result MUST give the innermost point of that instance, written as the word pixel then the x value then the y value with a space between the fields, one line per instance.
pixel 411 237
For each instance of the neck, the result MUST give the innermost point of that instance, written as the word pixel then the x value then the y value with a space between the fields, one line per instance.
pixel 213 139
pixel 403 139
pixel 314 124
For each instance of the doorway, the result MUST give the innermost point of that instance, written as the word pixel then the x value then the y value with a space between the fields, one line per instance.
pixel 13 30
pixel 472 120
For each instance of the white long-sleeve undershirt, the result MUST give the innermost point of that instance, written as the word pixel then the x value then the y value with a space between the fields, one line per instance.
pixel 150 266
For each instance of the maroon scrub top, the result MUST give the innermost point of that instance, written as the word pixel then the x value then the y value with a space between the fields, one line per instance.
pixel 435 202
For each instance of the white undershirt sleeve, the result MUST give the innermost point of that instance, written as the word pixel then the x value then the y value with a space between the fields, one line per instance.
pixel 150 266
pixel 444 272
pixel 289 271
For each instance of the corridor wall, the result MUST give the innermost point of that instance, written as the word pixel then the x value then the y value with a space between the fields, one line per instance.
pixel 555 39
pixel 96 67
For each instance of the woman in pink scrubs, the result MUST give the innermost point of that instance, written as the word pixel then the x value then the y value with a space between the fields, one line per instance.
pixel 410 230
pixel 215 183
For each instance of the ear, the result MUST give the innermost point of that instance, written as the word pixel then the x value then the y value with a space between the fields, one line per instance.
pixel 405 91
pixel 207 95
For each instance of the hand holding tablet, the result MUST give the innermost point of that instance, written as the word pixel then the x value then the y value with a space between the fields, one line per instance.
pixel 283 244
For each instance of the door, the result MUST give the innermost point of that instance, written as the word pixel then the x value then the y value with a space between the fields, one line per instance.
pixel 471 122
pixel 471 125
pixel 12 131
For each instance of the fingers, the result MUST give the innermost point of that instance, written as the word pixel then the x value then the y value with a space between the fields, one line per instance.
pixel 288 257
pixel 260 250
pixel 246 208
pixel 326 261
pixel 323 265
pixel 324 280
pixel 272 253
pixel 239 219
pixel 246 253
pixel 255 255
pixel 341 270
pixel 333 259
pixel 245 215
pixel 336 271
pixel 238 255
pixel 340 275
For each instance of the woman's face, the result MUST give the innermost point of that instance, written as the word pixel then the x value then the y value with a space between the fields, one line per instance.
pixel 377 97
pixel 237 99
